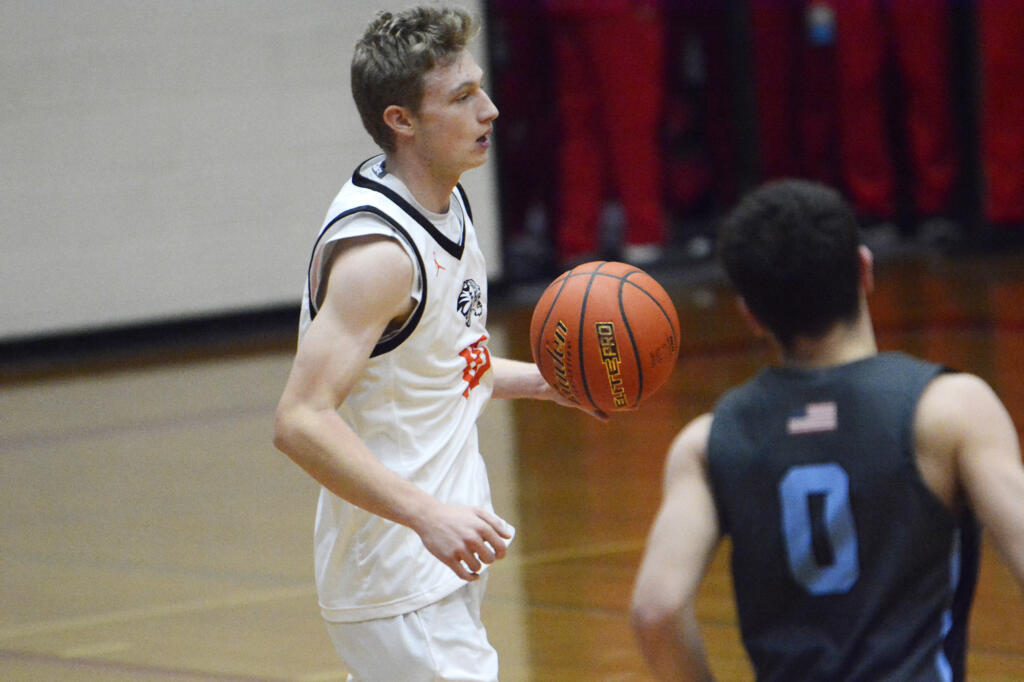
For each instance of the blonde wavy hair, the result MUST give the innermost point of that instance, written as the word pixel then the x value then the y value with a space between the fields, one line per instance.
pixel 395 52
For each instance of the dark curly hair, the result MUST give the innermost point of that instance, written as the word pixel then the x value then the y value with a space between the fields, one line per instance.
pixel 790 248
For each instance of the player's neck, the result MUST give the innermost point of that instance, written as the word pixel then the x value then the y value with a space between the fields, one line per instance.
pixel 432 192
pixel 844 343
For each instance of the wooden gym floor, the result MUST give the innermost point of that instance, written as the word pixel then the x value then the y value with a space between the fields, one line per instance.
pixel 151 532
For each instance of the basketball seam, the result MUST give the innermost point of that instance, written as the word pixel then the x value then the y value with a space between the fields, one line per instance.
pixel 579 325
pixel 632 339
pixel 668 318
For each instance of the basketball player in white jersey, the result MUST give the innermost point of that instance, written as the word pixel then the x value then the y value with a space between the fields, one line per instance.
pixel 393 368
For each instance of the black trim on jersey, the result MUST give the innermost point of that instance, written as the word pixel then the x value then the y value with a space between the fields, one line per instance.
pixel 453 248
pixel 465 200
pixel 391 342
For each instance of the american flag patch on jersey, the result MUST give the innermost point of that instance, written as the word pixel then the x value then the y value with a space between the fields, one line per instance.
pixel 816 418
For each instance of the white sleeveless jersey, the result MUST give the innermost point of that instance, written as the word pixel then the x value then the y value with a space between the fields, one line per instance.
pixel 415 405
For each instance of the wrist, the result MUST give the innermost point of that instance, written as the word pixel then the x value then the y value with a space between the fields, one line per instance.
pixel 415 509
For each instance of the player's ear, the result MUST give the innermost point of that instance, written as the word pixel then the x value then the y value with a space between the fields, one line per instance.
pixel 745 313
pixel 400 120
pixel 867 269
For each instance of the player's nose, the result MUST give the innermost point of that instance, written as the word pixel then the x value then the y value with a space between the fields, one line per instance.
pixel 489 111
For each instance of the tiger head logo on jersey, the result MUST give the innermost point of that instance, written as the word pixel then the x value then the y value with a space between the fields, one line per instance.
pixel 470 301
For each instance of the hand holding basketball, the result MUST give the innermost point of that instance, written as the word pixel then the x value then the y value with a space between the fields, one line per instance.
pixel 605 335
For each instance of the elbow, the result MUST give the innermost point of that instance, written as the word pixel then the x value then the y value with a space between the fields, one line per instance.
pixel 659 606
pixel 284 429
pixel 665 626
pixel 647 623
pixel 652 618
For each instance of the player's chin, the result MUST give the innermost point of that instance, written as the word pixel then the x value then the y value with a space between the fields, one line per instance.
pixel 478 158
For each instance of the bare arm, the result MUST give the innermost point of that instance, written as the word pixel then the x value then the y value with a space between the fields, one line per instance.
pixel 517 379
pixel 367 288
pixel 679 549
pixel 962 413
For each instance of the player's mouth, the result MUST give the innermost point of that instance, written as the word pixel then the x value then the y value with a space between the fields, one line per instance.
pixel 485 139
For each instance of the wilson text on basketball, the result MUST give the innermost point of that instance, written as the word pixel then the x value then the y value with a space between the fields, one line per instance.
pixel 557 352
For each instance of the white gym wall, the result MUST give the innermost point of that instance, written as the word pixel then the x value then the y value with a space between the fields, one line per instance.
pixel 167 160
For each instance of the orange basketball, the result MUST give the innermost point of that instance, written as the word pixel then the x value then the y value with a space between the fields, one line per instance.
pixel 605 335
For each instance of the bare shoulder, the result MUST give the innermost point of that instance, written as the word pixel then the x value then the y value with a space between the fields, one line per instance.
pixel 963 434
pixel 368 286
pixel 371 272
pixel 962 413
pixel 372 260
pixel 939 432
pixel 697 430
pixel 690 447
pixel 955 401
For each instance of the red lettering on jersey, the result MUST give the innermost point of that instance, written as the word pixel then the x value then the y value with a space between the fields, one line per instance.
pixel 478 361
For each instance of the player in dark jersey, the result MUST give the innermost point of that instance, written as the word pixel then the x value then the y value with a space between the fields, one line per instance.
pixel 851 483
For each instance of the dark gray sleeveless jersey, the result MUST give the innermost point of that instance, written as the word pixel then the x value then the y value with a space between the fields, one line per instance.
pixel 845 566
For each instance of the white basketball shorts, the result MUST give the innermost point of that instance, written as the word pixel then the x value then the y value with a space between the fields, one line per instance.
pixel 443 641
